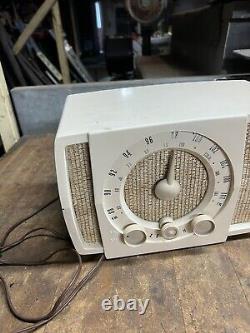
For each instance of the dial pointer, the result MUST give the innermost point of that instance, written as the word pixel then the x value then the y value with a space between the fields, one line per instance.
pixel 168 188
pixel 171 171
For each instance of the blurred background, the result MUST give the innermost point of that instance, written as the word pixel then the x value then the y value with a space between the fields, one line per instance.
pixel 108 40
pixel 52 48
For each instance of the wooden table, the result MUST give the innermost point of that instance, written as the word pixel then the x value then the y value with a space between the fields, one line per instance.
pixel 198 290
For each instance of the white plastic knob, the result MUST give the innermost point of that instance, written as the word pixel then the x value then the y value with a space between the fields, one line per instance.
pixel 202 225
pixel 168 229
pixel 134 235
pixel 164 220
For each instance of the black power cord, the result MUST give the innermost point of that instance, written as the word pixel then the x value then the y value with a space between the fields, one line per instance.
pixel 69 292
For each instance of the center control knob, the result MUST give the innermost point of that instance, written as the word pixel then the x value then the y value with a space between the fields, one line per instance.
pixel 202 225
pixel 168 229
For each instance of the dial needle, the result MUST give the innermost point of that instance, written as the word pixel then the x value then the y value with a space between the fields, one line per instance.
pixel 171 170
pixel 168 188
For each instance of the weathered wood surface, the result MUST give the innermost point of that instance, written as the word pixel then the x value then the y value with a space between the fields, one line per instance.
pixel 9 133
pixel 198 290
pixel 58 30
pixel 33 25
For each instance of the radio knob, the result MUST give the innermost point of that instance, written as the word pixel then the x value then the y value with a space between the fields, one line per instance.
pixel 202 225
pixel 134 235
pixel 168 229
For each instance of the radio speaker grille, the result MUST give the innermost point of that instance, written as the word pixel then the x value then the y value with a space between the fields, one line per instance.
pixel 80 178
pixel 139 187
pixel 242 211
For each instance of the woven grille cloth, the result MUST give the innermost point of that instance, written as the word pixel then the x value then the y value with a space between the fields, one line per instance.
pixel 80 178
pixel 139 186
pixel 242 211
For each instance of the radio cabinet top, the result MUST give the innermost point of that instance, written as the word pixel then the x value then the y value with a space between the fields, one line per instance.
pixel 150 105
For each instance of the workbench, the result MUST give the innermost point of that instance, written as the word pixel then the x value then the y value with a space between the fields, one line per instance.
pixel 197 290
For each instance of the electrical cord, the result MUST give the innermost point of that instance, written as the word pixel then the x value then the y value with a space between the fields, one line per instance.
pixel 14 226
pixel 72 288
pixel 69 297
pixel 26 237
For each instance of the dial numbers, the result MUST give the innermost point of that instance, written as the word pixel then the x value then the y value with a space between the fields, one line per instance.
pixel 209 168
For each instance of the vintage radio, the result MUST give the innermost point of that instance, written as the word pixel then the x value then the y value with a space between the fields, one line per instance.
pixel 155 168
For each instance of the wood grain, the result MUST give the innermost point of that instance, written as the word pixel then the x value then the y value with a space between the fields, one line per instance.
pixel 33 24
pixel 58 30
pixel 8 126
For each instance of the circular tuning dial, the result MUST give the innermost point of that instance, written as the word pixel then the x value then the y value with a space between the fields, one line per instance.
pixel 159 185
pixel 202 225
